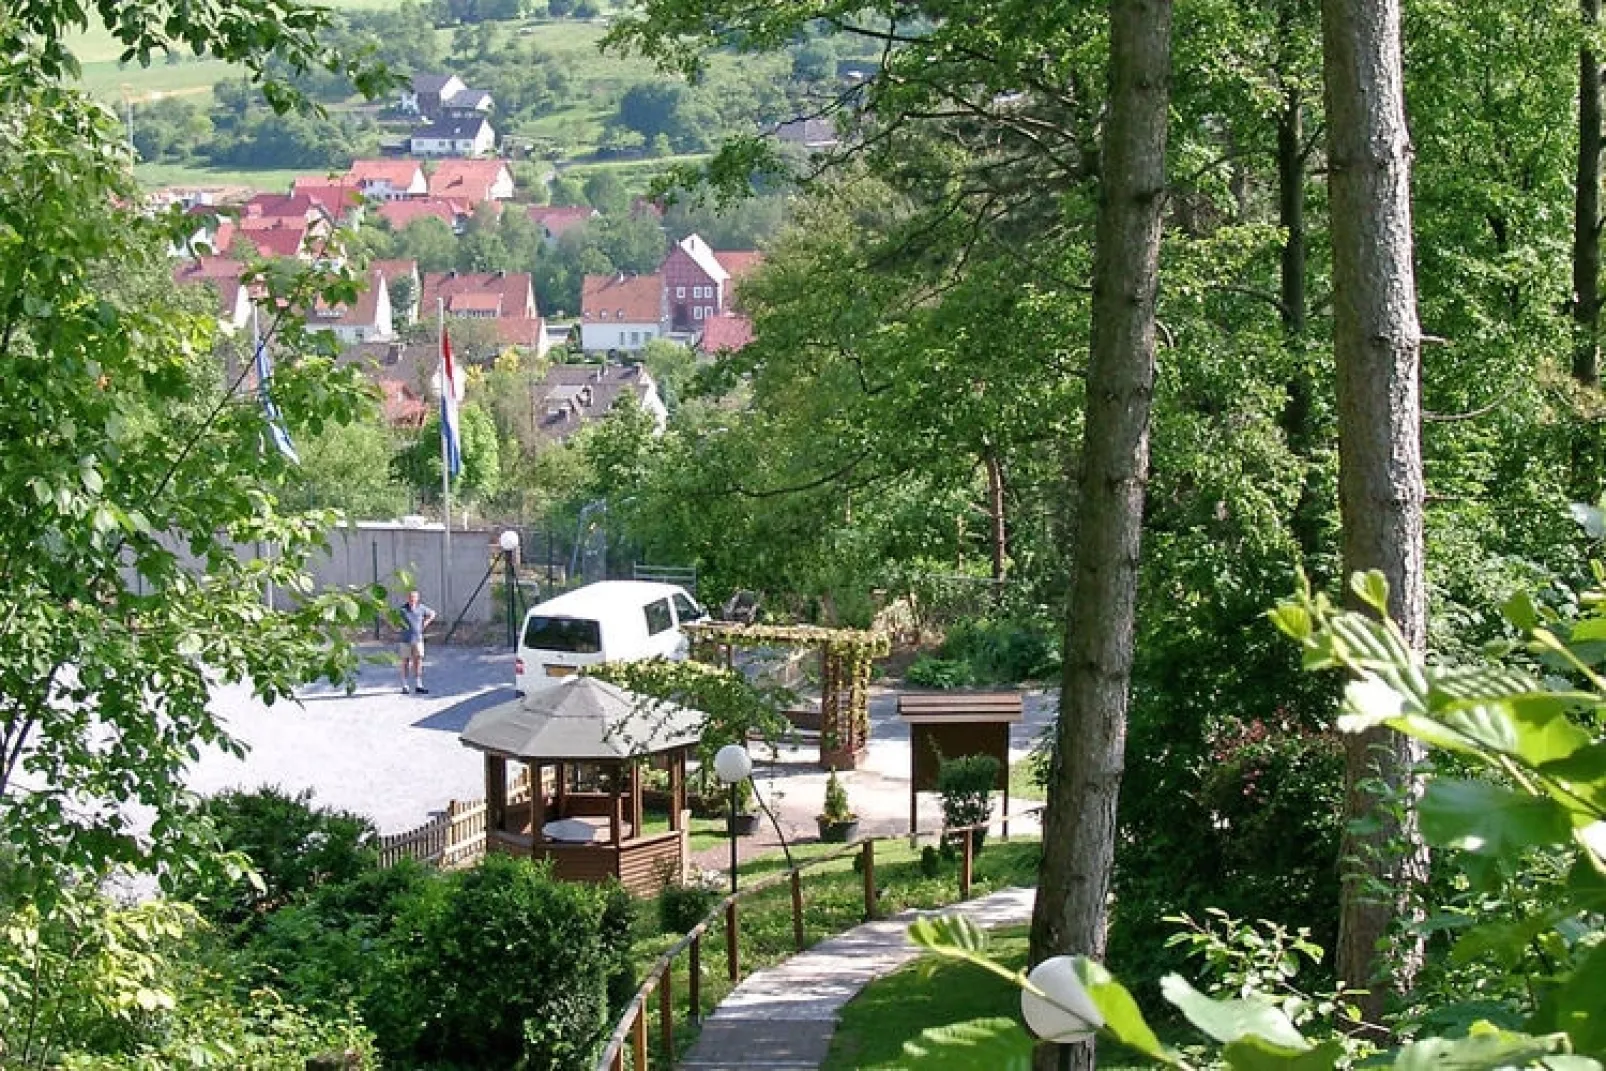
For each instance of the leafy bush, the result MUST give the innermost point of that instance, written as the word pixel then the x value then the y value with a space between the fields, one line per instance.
pixel 966 787
pixel 928 671
pixel 1005 650
pixel 502 966
pixel 682 906
pixel 293 846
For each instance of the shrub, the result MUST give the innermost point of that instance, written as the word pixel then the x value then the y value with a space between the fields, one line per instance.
pixel 682 906
pixel 1004 650
pixel 931 672
pixel 836 801
pixel 293 846
pixel 966 787
pixel 503 966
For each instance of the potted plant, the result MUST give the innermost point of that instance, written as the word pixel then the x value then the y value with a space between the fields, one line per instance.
pixel 838 824
pixel 745 821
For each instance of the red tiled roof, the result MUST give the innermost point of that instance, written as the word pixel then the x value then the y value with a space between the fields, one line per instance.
pixel 394 269
pixel 468 180
pixel 365 313
pixel 476 302
pixel 335 197
pixel 276 241
pixel 738 262
pixel 520 330
pixel 399 173
pixel 728 332
pixel 632 299
pixel 400 213
pixel 201 268
pixel 400 404
pixel 280 206
pixel 559 219
pixel 510 290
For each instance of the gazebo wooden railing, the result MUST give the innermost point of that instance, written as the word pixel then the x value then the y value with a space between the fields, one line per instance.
pixel 633 1026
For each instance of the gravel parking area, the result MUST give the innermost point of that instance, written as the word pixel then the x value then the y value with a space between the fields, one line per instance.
pixel 396 759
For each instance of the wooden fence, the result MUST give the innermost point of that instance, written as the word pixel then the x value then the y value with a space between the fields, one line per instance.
pixel 633 1025
pixel 454 838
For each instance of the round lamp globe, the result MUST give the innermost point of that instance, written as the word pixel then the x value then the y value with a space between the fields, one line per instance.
pixel 1065 1014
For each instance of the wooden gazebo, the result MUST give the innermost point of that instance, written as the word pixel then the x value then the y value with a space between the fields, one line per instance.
pixel 585 743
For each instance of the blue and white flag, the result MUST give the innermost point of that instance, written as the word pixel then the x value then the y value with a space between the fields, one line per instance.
pixel 451 443
pixel 276 428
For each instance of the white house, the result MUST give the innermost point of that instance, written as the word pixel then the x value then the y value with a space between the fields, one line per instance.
pixel 366 320
pixel 388 180
pixel 454 137
pixel 621 312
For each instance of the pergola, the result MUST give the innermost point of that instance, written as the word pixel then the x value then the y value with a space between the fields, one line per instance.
pixel 584 743
pixel 845 657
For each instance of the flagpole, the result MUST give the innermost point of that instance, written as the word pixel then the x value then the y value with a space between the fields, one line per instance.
pixel 256 346
pixel 446 464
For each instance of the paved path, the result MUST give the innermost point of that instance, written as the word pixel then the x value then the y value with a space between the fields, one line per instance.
pixel 783 1018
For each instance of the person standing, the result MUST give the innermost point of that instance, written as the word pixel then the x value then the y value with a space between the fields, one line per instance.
pixel 415 618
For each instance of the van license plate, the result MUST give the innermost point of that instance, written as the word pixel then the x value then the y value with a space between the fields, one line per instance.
pixel 560 671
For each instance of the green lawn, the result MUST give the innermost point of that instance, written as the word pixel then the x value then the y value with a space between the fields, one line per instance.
pixel 153 176
pixel 936 992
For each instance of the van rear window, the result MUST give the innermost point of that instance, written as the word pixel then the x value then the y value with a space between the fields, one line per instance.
pixel 575 635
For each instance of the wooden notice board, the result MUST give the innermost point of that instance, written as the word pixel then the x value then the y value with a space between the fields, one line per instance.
pixel 948 725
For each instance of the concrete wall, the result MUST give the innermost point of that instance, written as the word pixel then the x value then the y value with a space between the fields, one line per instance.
pixel 371 552
pixel 377 553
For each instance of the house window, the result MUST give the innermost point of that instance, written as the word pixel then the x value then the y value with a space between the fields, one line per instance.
pixel 635 338
pixel 620 315
pixel 697 312
pixel 680 291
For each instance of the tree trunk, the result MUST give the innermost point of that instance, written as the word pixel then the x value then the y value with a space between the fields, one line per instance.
pixel 998 532
pixel 1586 256
pixel 1079 833
pixel 1586 212
pixel 1377 359
pixel 1297 412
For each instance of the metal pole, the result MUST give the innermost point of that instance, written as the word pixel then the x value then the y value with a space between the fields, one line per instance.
pixel 512 584
pixel 732 831
pixel 446 466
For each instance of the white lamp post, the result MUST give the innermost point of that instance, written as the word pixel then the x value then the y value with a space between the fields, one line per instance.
pixel 732 765
pixel 1064 1013
pixel 509 542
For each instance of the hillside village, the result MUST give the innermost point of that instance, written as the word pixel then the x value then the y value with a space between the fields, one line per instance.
pixel 689 300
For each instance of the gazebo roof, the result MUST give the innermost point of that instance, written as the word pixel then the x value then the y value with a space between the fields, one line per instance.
pixel 580 718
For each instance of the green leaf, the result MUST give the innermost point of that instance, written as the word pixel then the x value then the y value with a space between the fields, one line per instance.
pixel 1520 611
pixel 1485 1047
pixel 1372 588
pixel 1229 1020
pixel 992 1043
pixel 1258 1054
pixel 1488 819
pixel 1122 1018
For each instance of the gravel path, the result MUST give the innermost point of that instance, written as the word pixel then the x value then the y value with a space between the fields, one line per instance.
pixel 396 758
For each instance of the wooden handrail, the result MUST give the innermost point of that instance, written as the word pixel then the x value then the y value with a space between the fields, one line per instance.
pixel 627 1030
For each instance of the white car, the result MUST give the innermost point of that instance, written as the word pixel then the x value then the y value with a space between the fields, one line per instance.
pixel 610 621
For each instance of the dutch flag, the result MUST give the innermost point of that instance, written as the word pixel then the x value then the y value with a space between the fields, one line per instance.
pixel 451 388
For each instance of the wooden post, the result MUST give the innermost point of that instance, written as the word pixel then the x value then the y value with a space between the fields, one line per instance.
pixel 914 810
pixel 638 1037
pixel 635 801
pixel 966 862
pixel 694 978
pixel 666 1015
pixel 619 1059
pixel 733 963
pixel 797 910
pixel 495 796
pixel 614 803
pixel 869 880
pixel 1005 835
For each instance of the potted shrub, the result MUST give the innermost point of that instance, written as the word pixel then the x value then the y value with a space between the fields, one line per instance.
pixel 745 823
pixel 838 824
pixel 966 787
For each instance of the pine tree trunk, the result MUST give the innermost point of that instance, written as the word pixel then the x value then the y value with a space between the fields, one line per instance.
pixel 1586 212
pixel 1079 830
pixel 1377 359
pixel 998 531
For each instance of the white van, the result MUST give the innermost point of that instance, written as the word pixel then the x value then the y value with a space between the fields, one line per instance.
pixel 610 621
